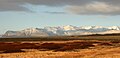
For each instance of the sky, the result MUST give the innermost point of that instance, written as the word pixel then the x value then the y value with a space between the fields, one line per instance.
pixel 21 14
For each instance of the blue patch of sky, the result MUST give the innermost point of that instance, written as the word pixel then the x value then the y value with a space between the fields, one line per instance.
pixel 43 8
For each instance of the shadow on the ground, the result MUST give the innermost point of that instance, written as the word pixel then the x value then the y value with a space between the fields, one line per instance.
pixel 15 47
pixel 12 51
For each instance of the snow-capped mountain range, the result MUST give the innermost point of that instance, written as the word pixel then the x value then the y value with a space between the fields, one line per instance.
pixel 62 30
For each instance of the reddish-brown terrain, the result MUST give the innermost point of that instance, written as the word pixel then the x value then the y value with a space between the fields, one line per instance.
pixel 58 49
pixel 96 46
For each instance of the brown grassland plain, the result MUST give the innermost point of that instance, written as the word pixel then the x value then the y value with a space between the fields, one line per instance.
pixel 76 47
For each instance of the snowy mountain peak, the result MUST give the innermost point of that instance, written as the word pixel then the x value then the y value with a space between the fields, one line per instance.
pixel 69 27
pixel 91 27
pixel 62 30
pixel 114 28
pixel 31 30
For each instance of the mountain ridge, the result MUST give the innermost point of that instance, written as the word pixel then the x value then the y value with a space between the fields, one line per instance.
pixel 62 30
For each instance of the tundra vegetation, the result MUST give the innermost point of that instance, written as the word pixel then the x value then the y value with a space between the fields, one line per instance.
pixel 91 46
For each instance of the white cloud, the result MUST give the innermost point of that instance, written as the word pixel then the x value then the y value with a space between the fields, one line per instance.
pixel 95 8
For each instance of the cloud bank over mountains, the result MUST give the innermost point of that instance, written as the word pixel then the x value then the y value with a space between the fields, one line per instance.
pixel 81 7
